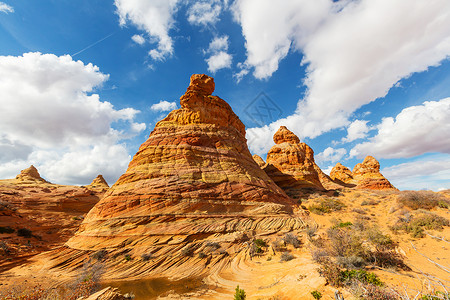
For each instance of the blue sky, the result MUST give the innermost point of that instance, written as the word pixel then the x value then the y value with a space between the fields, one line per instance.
pixel 84 82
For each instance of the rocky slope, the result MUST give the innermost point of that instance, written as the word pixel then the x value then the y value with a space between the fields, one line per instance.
pixel 365 175
pixel 192 197
pixel 51 212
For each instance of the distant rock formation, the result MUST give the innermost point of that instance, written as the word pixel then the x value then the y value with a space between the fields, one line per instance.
pixel 193 183
pixel 365 175
pixel 30 174
pixel 52 212
pixel 342 175
pixel 291 164
pixel 99 183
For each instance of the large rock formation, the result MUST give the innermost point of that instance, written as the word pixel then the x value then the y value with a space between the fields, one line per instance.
pixel 291 164
pixel 30 175
pixel 365 175
pixel 191 185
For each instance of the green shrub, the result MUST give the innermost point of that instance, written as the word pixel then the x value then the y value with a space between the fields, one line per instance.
pixel 316 294
pixel 239 294
pixel 260 243
pixel 127 257
pixel 362 276
pixel 416 225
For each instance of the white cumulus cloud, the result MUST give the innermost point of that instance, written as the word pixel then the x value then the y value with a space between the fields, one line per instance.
pixel 164 105
pixel 154 17
pixel 414 131
pixel 204 13
pixel 355 51
pixel 138 39
pixel 331 155
pixel 51 117
pixel 6 8
pixel 219 58
pixel 358 129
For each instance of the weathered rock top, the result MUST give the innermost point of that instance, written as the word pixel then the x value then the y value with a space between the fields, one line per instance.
pixel 285 135
pixel 30 174
pixel 202 84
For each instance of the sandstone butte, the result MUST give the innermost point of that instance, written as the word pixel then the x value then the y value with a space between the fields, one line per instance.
pixel 99 184
pixel 192 187
pixel 291 165
pixel 52 212
pixel 365 175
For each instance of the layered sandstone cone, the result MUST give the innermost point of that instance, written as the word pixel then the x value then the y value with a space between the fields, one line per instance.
pixel 30 175
pixel 193 187
pixel 99 183
pixel 365 175
pixel 291 164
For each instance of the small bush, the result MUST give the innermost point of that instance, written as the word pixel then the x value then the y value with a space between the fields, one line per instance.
pixel 311 231
pixel 260 243
pixel 369 202
pixel 316 295
pixel 279 245
pixel 286 256
pixel 416 225
pixel 422 199
pixel 24 232
pixel 331 272
pixel 344 224
pixel 239 294
pixel 362 276
pixel 100 254
pixel 127 257
pixel 146 256
pixel 6 229
pixel 326 206
pixel 290 238
pixel 202 255
pixel 257 247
